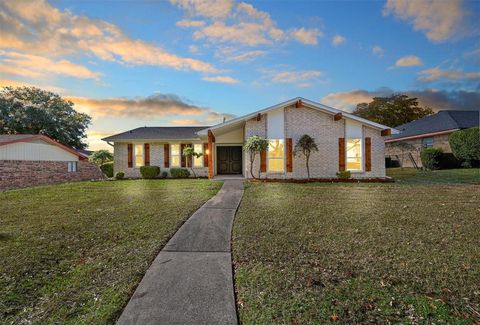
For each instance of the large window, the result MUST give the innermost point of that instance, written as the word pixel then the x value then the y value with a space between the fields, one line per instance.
pixel 175 155
pixel 427 142
pixel 72 166
pixel 275 156
pixel 354 154
pixel 138 155
pixel 198 148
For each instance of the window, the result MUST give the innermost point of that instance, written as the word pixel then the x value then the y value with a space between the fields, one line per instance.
pixel 175 155
pixel 354 154
pixel 275 156
pixel 198 148
pixel 138 155
pixel 427 142
pixel 72 166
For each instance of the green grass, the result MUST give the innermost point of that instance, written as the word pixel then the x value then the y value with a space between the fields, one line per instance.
pixel 446 176
pixel 407 252
pixel 74 253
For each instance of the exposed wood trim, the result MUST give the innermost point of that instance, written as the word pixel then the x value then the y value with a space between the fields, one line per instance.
pixel 289 154
pixel 368 154
pixel 341 154
pixel 130 155
pixel 166 155
pixel 299 103
pixel 211 142
pixel 147 154
pixel 259 117
pixel 337 117
pixel 386 132
pixel 263 161
pixel 424 135
pixel 183 159
pixel 205 155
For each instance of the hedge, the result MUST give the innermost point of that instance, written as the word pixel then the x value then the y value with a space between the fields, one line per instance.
pixel 179 172
pixel 149 172
pixel 107 168
pixel 465 145
pixel 431 158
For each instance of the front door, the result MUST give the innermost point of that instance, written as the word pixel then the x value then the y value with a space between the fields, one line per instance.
pixel 229 160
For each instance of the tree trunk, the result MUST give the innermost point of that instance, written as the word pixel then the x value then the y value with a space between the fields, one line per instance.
pixel 191 167
pixel 252 160
pixel 308 168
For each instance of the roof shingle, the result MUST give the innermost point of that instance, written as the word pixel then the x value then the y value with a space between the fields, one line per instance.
pixel 158 133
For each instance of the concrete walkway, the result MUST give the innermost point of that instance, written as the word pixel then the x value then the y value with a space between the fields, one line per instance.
pixel 191 281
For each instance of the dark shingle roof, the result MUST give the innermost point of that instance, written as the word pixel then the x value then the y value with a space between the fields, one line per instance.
pixel 158 133
pixel 442 121
pixel 13 137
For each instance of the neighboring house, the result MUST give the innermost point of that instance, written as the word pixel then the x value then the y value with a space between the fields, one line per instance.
pixel 345 142
pixel 29 160
pixel 429 132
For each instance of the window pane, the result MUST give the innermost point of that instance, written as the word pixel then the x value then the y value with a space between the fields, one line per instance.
pixel 354 154
pixel 175 155
pixel 275 165
pixel 198 148
pixel 139 155
pixel 427 142
pixel 275 148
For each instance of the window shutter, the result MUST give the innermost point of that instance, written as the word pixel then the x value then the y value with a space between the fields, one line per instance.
pixel 341 154
pixel 189 158
pixel 130 155
pixel 289 155
pixel 205 156
pixel 184 160
pixel 368 154
pixel 147 154
pixel 263 161
pixel 166 155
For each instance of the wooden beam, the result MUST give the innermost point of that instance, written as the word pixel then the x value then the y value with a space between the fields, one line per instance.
pixel 298 104
pixel 211 141
pixel 259 117
pixel 386 132
pixel 337 117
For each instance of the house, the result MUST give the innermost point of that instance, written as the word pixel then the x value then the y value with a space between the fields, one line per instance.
pixel 29 160
pixel 429 132
pixel 345 142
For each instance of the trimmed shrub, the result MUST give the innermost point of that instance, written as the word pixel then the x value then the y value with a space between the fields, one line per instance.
pixel 149 172
pixel 179 172
pixel 107 168
pixel 120 175
pixel 465 146
pixel 431 158
pixel 344 175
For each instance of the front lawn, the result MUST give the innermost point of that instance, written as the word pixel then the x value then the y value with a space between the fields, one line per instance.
pixel 74 253
pixel 446 176
pixel 358 253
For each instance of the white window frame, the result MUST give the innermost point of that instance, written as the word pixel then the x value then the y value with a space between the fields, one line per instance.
pixel 172 155
pixel 283 157
pixel 135 154
pixel 362 152
pixel 201 158
pixel 72 166
pixel 424 145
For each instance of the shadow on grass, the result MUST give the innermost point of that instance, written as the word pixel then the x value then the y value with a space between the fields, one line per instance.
pixel 5 236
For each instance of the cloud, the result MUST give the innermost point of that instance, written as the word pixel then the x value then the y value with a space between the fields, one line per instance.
pixel 190 23
pixel 338 40
pixel 222 79
pixel 16 83
pixel 206 8
pixel 211 118
pixel 36 27
pixel 28 65
pixel 295 76
pixel 439 20
pixel 435 74
pixel 408 61
pixel 306 36
pixel 378 51
pixel 233 54
pixel 435 99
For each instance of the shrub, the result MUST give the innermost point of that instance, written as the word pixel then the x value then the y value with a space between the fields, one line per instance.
pixel 465 145
pixel 431 158
pixel 149 172
pixel 120 175
pixel 179 172
pixel 344 175
pixel 163 175
pixel 107 168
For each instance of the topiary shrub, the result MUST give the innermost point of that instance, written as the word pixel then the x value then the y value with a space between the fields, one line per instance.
pixel 179 172
pixel 431 158
pixel 344 175
pixel 149 172
pixel 107 168
pixel 120 175
pixel 465 146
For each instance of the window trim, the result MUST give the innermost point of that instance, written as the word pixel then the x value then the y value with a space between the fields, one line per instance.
pixel 362 157
pixel 179 155
pixel 70 165
pixel 283 158
pixel 201 158
pixel 135 155
pixel 425 145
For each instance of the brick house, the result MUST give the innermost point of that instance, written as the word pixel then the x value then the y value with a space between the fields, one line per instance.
pixel 345 142
pixel 30 160
pixel 429 132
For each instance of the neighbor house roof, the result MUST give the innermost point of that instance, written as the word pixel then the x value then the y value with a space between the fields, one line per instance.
pixel 439 123
pixel 158 132
pixel 14 138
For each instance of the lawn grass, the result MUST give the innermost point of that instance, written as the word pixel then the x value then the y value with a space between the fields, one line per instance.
pixel 74 253
pixel 446 176
pixel 407 252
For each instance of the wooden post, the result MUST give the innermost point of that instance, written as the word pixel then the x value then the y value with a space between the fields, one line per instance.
pixel 211 143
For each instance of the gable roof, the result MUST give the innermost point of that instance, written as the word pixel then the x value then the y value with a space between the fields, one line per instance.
pixel 158 132
pixel 441 122
pixel 305 102
pixel 14 138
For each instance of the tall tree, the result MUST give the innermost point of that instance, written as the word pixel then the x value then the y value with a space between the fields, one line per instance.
pixel 30 110
pixel 100 157
pixel 392 111
pixel 305 145
pixel 255 145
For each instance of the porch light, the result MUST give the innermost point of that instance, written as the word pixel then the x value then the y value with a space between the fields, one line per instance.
pixel 207 152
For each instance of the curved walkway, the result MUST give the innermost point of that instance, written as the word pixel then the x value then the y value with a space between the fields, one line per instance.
pixel 191 280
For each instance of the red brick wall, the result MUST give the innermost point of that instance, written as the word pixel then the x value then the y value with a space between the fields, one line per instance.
pixel 23 173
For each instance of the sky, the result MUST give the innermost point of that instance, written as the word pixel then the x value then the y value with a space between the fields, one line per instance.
pixel 157 63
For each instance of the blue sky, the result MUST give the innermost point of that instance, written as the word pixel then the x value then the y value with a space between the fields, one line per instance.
pixel 179 62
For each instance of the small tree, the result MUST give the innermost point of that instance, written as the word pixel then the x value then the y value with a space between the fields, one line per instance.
pixel 189 152
pixel 465 145
pixel 305 145
pixel 254 146
pixel 100 157
pixel 404 147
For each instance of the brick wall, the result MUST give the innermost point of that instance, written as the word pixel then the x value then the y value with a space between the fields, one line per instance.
pixel 254 127
pixel 23 173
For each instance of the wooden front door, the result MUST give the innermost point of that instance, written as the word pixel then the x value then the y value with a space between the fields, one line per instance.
pixel 229 160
